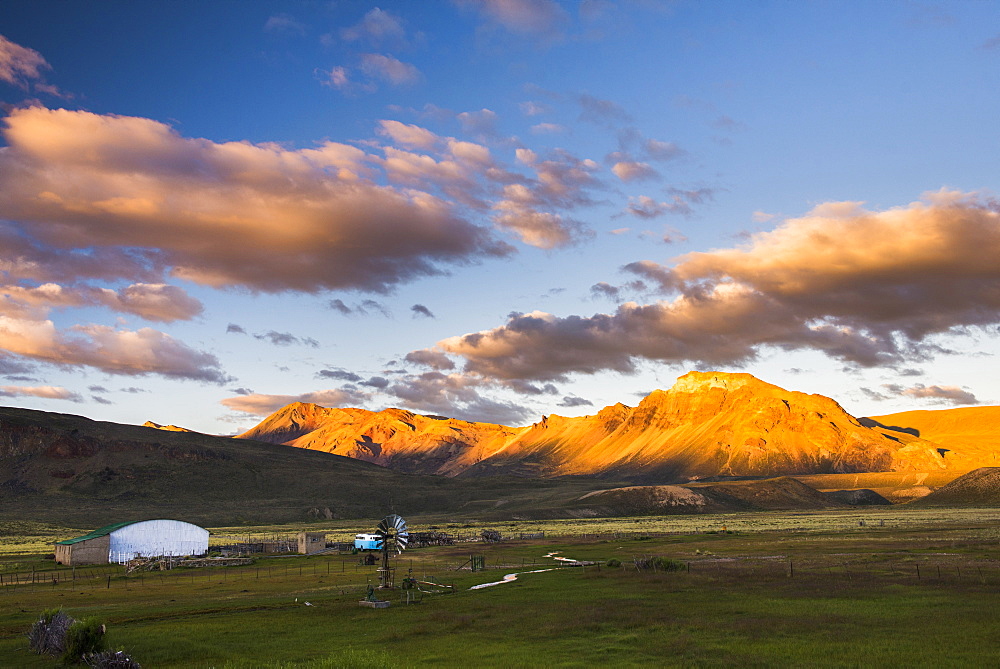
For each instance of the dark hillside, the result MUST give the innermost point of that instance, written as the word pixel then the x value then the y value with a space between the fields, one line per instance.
pixel 65 468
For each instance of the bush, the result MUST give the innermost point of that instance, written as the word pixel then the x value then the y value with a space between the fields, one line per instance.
pixel 110 660
pixel 48 634
pixel 657 563
pixel 614 562
pixel 84 637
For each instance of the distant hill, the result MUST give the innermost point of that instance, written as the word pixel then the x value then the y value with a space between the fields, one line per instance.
pixel 969 435
pixel 781 493
pixel 707 424
pixel 978 488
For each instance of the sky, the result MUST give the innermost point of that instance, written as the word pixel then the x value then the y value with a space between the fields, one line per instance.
pixel 494 210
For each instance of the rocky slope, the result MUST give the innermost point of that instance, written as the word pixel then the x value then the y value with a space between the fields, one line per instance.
pixel 708 424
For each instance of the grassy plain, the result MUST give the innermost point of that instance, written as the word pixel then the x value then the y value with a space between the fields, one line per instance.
pixel 907 588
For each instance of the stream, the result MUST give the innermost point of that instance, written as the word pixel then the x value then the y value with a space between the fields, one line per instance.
pixel 508 578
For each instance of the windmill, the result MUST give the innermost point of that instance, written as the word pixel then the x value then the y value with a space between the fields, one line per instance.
pixel 394 535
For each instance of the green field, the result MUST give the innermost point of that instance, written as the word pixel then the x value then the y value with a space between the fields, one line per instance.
pixel 908 588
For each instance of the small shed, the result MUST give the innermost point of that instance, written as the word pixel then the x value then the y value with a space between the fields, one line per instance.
pixel 312 542
pixel 123 541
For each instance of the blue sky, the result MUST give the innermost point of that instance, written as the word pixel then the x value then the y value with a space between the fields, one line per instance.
pixel 494 210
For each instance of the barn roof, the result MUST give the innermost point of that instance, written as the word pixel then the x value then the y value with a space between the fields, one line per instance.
pixel 99 532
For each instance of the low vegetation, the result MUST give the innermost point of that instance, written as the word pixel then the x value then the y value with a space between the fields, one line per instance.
pixel 765 589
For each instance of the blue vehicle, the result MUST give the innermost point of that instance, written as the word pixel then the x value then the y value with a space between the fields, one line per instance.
pixel 367 542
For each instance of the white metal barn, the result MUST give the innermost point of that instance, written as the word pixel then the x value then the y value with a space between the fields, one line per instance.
pixel 123 541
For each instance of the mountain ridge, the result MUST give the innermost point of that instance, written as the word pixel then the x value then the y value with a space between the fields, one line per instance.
pixel 707 424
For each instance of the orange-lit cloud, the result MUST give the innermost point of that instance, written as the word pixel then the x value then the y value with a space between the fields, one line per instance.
pixel 231 214
pixel 155 302
pixel 631 170
pixel 256 404
pixel 868 288
pixel 136 353
pixel 19 64
pixel 45 392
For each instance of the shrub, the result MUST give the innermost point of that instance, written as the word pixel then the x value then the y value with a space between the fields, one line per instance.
pixel 110 660
pixel 48 634
pixel 614 562
pixel 84 637
pixel 657 563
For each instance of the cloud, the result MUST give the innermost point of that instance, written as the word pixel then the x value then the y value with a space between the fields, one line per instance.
pixel 339 77
pixel 363 308
pixel 155 302
pixel 601 112
pixel 378 27
pixel 135 353
pixel 866 288
pixel 338 375
pixel 20 64
pixel 643 206
pixel 338 305
pixel 530 18
pixel 286 339
pixel 531 108
pixel 606 290
pixel 992 43
pixel 456 396
pixel 262 405
pixel 45 392
pixel 412 136
pixel 429 358
pixel 121 189
pixel 662 151
pixel 379 382
pixel 480 123
pixel 530 208
pixel 548 129
pixel 422 311
pixel 284 23
pixel 939 394
pixel 728 124
pixel 634 171
pixel 575 402
pixel 234 328
pixel 389 69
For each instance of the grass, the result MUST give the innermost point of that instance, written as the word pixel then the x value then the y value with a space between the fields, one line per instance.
pixel 812 590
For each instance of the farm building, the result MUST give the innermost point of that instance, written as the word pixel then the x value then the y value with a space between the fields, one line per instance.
pixel 123 541
pixel 312 542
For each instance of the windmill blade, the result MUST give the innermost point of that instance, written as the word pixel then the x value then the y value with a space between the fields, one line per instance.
pixel 394 533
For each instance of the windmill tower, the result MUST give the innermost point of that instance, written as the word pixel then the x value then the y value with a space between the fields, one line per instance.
pixel 392 530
